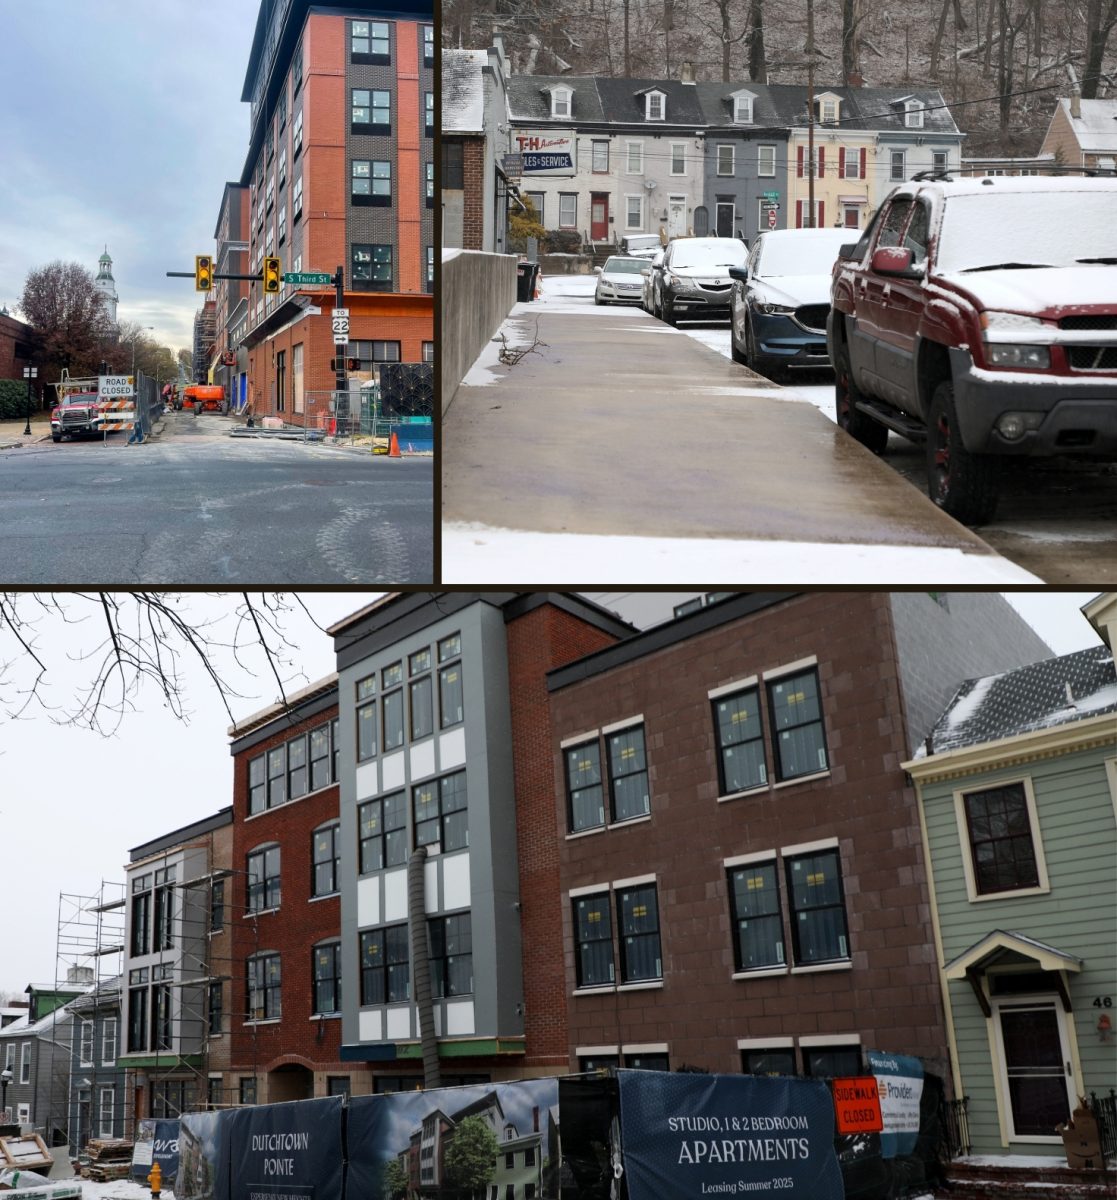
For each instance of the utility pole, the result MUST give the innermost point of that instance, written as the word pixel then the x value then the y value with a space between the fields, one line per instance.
pixel 810 114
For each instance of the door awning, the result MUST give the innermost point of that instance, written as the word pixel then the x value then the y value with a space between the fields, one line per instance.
pixel 1007 948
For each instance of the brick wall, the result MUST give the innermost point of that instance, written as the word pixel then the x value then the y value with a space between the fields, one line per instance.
pixel 296 926
pixel 15 347
pixel 473 178
pixel 889 992
pixel 543 639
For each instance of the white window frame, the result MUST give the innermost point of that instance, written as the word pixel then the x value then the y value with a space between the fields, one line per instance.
pixel 760 162
pixel 828 111
pixel 561 102
pixel 639 198
pixel 655 111
pixel 722 146
pixel 892 176
pixel 675 147
pixel 85 1053
pixel 594 145
pixel 852 156
pixel 967 850
pixel 913 114
pixel 106 1128
pixel 568 196
pixel 542 198
pixel 631 148
pixel 742 110
pixel 944 155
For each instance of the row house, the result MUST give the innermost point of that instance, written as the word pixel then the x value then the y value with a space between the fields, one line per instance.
pixel 678 157
pixel 174 887
pixel 97 1078
pixel 339 172
pixel 1017 785
pixel 741 880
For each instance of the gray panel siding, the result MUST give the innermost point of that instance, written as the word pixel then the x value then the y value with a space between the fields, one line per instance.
pixel 1077 916
pixel 976 633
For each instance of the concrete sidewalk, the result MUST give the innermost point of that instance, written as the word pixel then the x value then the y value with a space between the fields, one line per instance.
pixel 616 424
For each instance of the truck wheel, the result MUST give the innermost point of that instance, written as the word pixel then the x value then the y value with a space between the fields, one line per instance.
pixel 860 426
pixel 962 484
pixel 56 437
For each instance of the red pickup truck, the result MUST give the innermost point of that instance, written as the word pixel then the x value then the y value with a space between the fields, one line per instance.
pixel 980 316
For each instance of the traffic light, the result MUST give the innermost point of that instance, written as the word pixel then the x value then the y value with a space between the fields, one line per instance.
pixel 203 272
pixel 350 364
pixel 272 274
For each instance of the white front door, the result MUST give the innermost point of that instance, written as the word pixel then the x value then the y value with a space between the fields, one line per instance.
pixel 676 216
pixel 1034 1066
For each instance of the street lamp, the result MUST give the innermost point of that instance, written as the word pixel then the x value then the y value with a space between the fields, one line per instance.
pixel 5 1079
pixel 134 336
pixel 29 373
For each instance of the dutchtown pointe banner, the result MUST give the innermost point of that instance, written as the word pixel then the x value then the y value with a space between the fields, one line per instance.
pixel 688 1136
pixel 287 1150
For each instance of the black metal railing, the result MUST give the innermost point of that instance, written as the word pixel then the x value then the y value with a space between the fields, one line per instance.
pixel 1104 1109
pixel 954 1115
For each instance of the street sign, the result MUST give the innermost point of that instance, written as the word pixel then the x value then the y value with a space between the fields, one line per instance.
pixel 301 278
pixel 512 165
pixel 770 205
pixel 771 218
pixel 857 1105
pixel 770 195
pixel 340 321
pixel 112 386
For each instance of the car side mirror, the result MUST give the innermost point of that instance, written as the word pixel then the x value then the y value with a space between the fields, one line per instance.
pixel 892 260
pixel 847 250
pixel 597 270
pixel 741 274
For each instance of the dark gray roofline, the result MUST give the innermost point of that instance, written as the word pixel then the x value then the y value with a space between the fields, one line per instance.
pixel 187 833
pixel 320 702
pixel 659 637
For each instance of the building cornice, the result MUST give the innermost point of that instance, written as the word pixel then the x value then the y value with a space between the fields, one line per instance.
pixel 1090 733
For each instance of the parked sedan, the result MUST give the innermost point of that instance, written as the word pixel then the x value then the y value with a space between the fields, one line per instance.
pixel 620 280
pixel 781 299
pixel 694 281
pixel 650 300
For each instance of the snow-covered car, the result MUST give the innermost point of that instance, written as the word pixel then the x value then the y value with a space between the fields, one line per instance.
pixel 620 280
pixel 979 316
pixel 694 280
pixel 650 299
pixel 640 245
pixel 781 299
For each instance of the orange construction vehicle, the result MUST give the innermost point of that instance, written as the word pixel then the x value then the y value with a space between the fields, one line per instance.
pixel 203 397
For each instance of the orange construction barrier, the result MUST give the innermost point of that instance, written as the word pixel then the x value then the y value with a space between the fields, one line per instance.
pixel 393 447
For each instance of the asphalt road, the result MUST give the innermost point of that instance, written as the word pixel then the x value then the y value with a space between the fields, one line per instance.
pixel 194 506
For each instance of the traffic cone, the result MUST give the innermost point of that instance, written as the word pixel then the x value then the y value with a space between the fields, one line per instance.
pixel 393 447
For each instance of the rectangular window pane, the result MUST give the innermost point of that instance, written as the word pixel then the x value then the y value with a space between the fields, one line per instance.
pixel 422 708
pixel 593 934
pixel 754 896
pixel 796 710
pixel 628 772
pixel 1001 843
pixel 366 731
pixel 585 805
pixel 450 694
pixel 638 918
pixel 740 742
pixel 818 919
pixel 393 720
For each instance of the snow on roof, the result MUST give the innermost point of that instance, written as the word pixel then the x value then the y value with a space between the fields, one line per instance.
pixel 463 91
pixel 1096 129
pixel 1056 691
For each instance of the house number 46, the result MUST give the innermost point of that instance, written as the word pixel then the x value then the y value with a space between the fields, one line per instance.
pixel 1103 1001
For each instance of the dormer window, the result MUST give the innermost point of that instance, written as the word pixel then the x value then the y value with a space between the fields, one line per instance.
pixel 655 106
pixel 913 114
pixel 560 102
pixel 829 106
pixel 742 107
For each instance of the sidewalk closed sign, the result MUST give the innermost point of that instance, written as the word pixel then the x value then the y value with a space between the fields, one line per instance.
pixel 689 1135
pixel 857 1104
pixel 112 387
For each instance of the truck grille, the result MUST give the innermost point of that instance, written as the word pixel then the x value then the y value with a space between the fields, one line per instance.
pixel 1097 321
pixel 77 417
pixel 1093 358
pixel 813 316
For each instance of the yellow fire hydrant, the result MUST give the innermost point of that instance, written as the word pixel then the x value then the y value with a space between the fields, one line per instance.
pixel 156 1179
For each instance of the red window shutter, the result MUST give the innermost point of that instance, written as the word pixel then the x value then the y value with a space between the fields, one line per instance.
pixel 862 162
pixel 841 162
pixel 799 164
pixel 821 215
pixel 821 161
pixel 799 210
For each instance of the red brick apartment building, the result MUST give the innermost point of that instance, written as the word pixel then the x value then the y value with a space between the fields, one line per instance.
pixel 339 171
pixel 741 879
pixel 284 905
pixel 230 358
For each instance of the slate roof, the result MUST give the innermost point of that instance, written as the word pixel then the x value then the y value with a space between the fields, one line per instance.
pixel 598 98
pixel 1056 691
pixel 463 91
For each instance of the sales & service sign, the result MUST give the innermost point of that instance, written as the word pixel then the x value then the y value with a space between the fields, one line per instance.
pixel 687 1136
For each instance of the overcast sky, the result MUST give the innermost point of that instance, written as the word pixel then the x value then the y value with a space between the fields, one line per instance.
pixel 73 803
pixel 122 123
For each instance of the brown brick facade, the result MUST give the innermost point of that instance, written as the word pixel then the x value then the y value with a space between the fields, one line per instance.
pixel 473 178
pixel 887 993
pixel 543 639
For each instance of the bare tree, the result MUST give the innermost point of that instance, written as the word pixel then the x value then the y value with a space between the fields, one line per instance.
pixel 722 30
pixel 61 303
pixel 135 640
pixel 1101 17
pixel 758 59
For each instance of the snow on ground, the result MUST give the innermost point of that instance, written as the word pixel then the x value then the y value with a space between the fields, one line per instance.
pixel 474 553
pixel 117 1189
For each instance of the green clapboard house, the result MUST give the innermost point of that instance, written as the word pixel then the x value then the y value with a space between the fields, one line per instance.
pixel 1017 786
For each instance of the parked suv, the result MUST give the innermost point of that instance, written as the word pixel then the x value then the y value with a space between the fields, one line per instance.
pixel 980 316
pixel 694 279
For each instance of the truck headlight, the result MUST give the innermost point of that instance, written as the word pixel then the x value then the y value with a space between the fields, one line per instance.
pixel 1005 354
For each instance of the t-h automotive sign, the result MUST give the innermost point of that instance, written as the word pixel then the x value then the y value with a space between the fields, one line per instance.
pixel 546 152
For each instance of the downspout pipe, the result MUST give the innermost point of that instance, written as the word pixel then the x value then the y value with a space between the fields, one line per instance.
pixel 420 965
